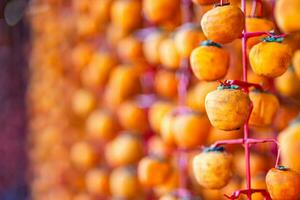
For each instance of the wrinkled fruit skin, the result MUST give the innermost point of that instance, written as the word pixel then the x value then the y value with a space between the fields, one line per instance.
pixel 209 63
pixel 213 169
pixel 283 185
pixel 270 59
pixel 223 24
pixel 227 109
pixel 265 106
pixel 287 15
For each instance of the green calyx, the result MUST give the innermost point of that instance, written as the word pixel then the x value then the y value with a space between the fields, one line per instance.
pixel 210 43
pixel 273 39
pixel 282 168
pixel 214 149
pixel 231 87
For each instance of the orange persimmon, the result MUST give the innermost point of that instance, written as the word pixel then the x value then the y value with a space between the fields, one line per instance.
pixel 287 15
pixel 168 53
pixel 97 182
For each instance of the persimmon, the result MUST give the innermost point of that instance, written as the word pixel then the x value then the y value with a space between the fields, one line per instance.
pixel 287 15
pixel 196 95
pixel 190 129
pixel 227 108
pixel 289 140
pixel 101 125
pixel 213 168
pixel 156 146
pixel 261 80
pixel 156 113
pixel 257 182
pixel 169 185
pixel 123 150
pixel 124 183
pixel 210 61
pixel 83 102
pixel 296 63
pixel 130 49
pixel 97 182
pixel 166 129
pixel 133 117
pixel 153 171
pixel 230 21
pixel 285 114
pixel 83 155
pixel 151 46
pixel 258 163
pixel 122 84
pixel 283 183
pixel 97 72
pixel 270 58
pixel 114 34
pixel 81 56
pixel 255 24
pixel 168 54
pixel 205 2
pixel 233 185
pixel 165 84
pixel 186 38
pixel 158 11
pixel 265 106
pixel 288 84
pixel 126 14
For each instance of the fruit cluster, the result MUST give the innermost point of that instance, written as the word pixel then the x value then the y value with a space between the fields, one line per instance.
pixel 124 96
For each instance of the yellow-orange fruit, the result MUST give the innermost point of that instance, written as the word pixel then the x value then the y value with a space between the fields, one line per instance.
pixel 285 114
pixel 125 149
pixel 261 80
pixel 265 106
pixel 196 95
pixel 101 125
pixel 289 140
pixel 283 183
pixel 126 14
pixel 166 129
pixel 153 171
pixel 97 182
pixel 168 53
pixel 296 63
pixel 156 113
pixel 288 84
pixel 190 129
pixel 255 24
pixel 258 164
pixel 151 46
pixel 123 83
pixel 166 84
pixel 83 155
pixel 114 34
pixel 124 183
pixel 205 2
pixel 287 15
pixel 187 38
pixel 157 147
pixel 83 102
pixel 169 185
pixel 230 21
pixel 133 117
pixel 270 59
pixel 227 109
pixel 233 185
pixel 209 62
pixel 130 49
pixel 81 56
pixel 158 11
pixel 98 70
pixel 213 169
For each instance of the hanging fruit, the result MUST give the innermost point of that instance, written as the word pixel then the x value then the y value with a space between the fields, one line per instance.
pixel 227 107
pixel 213 168
pixel 229 20
pixel 210 61
pixel 270 58
pixel 287 15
